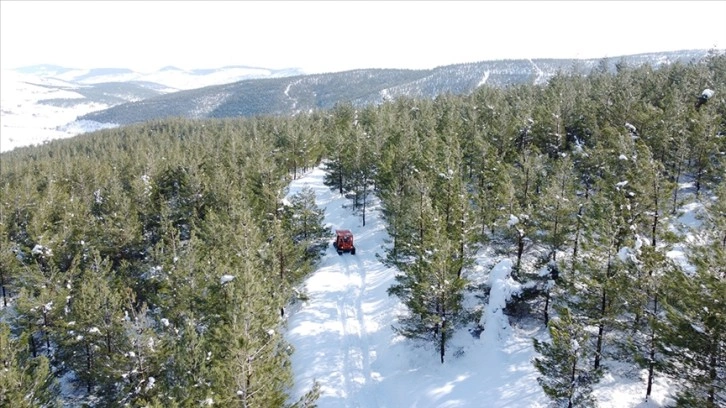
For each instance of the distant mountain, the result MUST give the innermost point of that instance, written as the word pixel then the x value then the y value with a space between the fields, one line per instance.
pixel 43 70
pixel 286 95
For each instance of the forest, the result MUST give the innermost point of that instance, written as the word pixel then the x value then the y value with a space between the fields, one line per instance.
pixel 154 264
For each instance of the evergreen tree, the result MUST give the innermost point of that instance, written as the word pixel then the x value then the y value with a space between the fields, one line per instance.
pixel 693 331
pixel 339 140
pixel 141 370
pixel 247 337
pixel 304 220
pixel 93 337
pixel 26 381
pixel 430 286
pixel 557 209
pixel 528 183
pixel 562 364
pixel 494 193
pixel 599 285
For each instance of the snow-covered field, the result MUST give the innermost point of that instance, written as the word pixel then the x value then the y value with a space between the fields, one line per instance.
pixel 344 340
pixel 26 121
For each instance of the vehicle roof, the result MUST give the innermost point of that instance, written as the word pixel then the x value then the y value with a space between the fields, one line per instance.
pixel 343 232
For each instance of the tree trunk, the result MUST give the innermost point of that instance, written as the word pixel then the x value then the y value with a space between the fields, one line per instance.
pixel 655 210
pixel 365 195
pixel 572 382
pixel 442 349
pixel 598 347
pixel 520 251
pixel 651 354
pixel 601 325
pixel 713 372
pixel 89 366
pixel 33 348
pixel 675 190
pixel 45 331
pixel 2 284
pixel 281 260
pixel 546 308
pixel 340 178
pixel 577 238
pixel 461 259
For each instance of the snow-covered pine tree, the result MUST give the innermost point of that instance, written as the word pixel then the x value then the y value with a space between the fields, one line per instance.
pixel 339 142
pixel 26 381
pixel 430 286
pixel 692 333
pixel 556 216
pixel 648 194
pixel 244 327
pixel 304 220
pixel 598 284
pixel 92 338
pixel 565 375
pixel 528 181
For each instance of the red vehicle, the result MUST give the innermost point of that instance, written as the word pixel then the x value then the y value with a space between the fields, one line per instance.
pixel 344 242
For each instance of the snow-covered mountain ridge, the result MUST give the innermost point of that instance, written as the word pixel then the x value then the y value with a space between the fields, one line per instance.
pixel 44 102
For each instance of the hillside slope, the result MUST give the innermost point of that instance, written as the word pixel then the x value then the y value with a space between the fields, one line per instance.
pixel 302 93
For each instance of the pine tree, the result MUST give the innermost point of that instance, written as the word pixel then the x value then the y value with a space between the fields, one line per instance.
pixel 304 220
pixel 252 368
pixel 93 337
pixel 649 194
pixel 695 323
pixel 430 286
pixel 339 140
pixel 528 183
pixel 557 209
pixel 557 220
pixel 694 332
pixel 395 184
pixel 565 377
pixel 599 283
pixel 26 381
pixel 141 369
pixel 494 193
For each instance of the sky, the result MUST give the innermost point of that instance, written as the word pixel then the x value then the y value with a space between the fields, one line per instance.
pixel 333 36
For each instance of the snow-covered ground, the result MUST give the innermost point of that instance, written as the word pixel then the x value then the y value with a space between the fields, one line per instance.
pixel 26 121
pixel 343 336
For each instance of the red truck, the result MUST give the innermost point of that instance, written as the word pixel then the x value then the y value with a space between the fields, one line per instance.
pixel 344 242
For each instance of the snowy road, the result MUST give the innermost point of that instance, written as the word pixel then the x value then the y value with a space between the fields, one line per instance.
pixel 338 334
pixel 343 336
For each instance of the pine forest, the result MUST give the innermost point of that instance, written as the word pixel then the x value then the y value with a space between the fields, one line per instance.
pixel 155 264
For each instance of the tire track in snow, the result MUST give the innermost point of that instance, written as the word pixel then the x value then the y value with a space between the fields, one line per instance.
pixel 355 350
pixel 348 313
pixel 337 331
pixel 364 342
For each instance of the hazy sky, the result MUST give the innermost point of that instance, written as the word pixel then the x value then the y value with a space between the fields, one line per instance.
pixel 331 36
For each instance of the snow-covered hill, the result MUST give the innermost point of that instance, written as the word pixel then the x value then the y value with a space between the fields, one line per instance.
pixel 343 336
pixel 41 103
pixel 27 121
